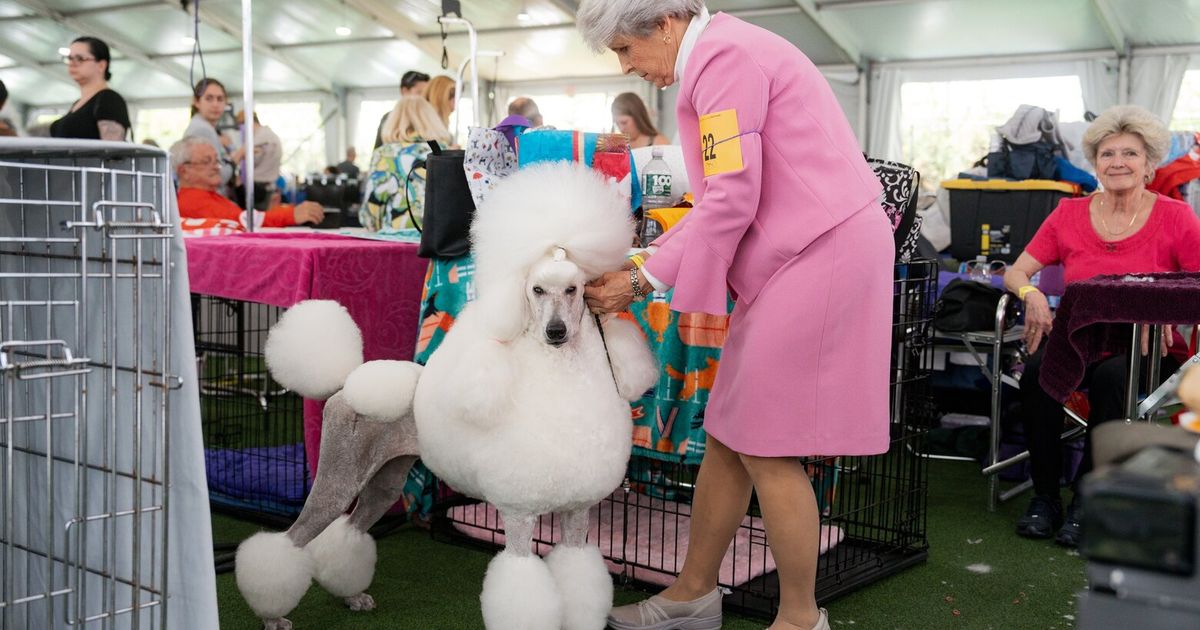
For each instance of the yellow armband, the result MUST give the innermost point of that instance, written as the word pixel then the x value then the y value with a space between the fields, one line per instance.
pixel 1026 290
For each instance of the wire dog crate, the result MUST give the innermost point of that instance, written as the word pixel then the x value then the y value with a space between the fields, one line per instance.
pixel 85 385
pixel 873 508
pixel 253 428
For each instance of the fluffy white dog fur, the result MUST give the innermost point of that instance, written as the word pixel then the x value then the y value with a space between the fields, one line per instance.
pixel 521 405
pixel 368 444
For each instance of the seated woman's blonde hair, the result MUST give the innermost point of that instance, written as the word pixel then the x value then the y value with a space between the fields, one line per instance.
pixel 1128 119
pixel 414 120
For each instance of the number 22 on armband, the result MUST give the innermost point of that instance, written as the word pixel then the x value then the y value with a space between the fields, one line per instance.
pixel 720 129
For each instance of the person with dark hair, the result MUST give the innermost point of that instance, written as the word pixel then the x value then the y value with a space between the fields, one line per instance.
pixel 100 113
pixel 633 119
pixel 412 83
pixel 524 106
pixel 6 126
pixel 209 101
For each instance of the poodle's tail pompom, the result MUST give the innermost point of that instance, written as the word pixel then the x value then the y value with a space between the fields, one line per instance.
pixel 313 348
pixel 519 592
pixel 382 390
pixel 272 574
pixel 343 558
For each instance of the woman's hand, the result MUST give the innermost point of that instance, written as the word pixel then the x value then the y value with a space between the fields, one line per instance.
pixel 1165 342
pixel 237 155
pixel 1038 320
pixel 610 293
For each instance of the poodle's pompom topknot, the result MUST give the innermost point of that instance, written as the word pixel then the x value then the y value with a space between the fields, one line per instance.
pixel 537 210
pixel 313 348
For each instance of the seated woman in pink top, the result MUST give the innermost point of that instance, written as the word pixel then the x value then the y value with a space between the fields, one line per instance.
pixel 1124 229
pixel 787 220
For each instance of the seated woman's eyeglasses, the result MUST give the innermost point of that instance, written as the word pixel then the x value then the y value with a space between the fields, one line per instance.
pixel 70 59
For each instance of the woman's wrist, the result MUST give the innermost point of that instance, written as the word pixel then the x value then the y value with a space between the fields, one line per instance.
pixel 1024 291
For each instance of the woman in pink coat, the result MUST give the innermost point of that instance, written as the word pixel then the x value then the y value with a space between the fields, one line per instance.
pixel 787 220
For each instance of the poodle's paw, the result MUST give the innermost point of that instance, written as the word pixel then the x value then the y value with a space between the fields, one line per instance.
pixel 278 623
pixel 343 558
pixel 586 586
pixel 362 601
pixel 519 592
pixel 272 574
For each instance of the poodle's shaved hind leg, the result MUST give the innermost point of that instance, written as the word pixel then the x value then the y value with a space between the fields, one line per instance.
pixel 518 533
pixel 381 492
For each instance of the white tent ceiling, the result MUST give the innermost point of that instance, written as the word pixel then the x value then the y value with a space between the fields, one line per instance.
pixel 296 48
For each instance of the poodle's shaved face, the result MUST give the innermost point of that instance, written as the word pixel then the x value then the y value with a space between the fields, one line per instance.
pixel 555 295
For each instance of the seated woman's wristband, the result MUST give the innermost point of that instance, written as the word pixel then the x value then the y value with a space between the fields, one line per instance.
pixel 1026 290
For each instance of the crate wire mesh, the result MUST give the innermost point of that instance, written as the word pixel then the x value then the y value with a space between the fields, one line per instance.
pixel 85 388
pixel 873 508
pixel 253 428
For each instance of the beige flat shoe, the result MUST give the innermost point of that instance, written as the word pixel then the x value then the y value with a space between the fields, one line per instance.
pixel 659 613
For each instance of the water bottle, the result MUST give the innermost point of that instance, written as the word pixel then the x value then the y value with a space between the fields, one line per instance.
pixel 656 193
pixel 979 271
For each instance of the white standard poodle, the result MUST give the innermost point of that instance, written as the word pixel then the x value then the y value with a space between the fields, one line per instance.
pixel 526 402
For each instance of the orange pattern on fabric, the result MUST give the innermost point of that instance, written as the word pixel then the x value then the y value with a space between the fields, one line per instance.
pixel 695 380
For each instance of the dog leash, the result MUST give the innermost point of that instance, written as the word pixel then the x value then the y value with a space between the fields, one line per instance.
pixel 604 342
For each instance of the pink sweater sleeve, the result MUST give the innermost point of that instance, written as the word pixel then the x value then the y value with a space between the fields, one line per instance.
pixel 696 261
pixel 1187 242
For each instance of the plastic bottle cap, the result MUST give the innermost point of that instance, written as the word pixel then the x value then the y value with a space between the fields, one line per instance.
pixel 656 152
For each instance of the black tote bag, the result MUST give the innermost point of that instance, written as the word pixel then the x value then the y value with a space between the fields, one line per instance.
pixel 449 208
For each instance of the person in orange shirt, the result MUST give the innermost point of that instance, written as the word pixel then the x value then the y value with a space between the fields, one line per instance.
pixel 203 209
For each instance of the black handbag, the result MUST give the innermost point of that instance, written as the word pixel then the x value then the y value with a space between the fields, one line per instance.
pixel 449 207
pixel 967 306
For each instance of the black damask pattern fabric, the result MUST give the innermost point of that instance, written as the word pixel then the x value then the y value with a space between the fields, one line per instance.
pixel 900 186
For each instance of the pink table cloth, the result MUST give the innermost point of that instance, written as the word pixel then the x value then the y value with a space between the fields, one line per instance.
pixel 379 282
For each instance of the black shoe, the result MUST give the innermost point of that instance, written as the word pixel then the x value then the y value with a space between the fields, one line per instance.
pixel 1042 519
pixel 1072 528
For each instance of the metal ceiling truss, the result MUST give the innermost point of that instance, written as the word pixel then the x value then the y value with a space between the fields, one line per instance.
pixel 17 54
pixel 234 29
pixel 834 32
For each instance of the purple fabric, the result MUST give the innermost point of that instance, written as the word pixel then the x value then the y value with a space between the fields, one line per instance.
pixel 379 282
pixel 268 473
pixel 1092 321
pixel 512 127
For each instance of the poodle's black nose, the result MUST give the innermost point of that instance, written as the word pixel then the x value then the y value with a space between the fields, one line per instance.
pixel 556 332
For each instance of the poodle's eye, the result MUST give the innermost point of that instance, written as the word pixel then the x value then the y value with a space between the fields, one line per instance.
pixel 571 290
pixel 538 290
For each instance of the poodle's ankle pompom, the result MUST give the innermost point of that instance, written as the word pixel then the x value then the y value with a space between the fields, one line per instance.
pixel 343 558
pixel 313 348
pixel 382 390
pixel 519 592
pixel 272 573
pixel 585 586
pixel 634 367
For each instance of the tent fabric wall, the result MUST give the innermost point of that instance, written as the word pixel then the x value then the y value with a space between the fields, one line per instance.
pixel 1155 82
pixel 883 127
pixel 1099 80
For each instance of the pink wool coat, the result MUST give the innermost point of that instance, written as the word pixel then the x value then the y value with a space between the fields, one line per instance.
pixel 795 232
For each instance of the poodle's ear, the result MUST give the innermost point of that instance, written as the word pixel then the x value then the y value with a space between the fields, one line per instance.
pixel 504 310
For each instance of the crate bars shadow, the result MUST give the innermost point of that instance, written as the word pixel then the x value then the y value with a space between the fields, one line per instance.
pixel 873 509
pixel 84 340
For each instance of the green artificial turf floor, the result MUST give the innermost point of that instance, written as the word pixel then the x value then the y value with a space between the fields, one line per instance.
pixel 979 575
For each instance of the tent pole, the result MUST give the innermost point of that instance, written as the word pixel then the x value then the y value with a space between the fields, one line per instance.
pixel 248 111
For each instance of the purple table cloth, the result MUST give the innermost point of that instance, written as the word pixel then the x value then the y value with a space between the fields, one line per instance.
pixel 1093 321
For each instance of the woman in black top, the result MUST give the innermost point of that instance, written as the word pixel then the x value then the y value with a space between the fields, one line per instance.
pixel 100 113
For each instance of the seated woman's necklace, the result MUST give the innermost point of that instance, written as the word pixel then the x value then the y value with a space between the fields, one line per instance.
pixel 1127 227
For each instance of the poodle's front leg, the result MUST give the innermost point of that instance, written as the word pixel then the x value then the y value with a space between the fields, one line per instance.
pixel 582 578
pixel 518 590
pixel 634 367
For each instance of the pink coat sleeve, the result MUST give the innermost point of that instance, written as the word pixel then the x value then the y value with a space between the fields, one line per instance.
pixel 696 261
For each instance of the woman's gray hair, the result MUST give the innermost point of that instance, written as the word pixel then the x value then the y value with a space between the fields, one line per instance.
pixel 601 21
pixel 1128 119
pixel 181 152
